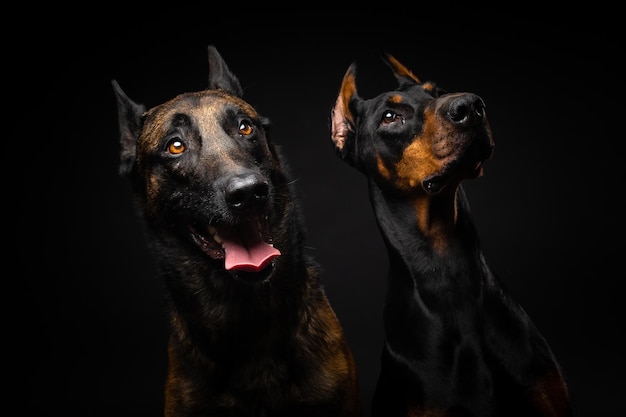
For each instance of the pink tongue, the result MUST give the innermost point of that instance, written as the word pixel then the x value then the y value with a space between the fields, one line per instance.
pixel 246 251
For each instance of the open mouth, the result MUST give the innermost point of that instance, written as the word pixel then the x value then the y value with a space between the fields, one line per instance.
pixel 245 246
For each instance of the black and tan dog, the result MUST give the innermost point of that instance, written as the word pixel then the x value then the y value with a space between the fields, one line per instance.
pixel 455 343
pixel 252 331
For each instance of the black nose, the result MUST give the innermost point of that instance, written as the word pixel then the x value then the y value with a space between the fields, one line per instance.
pixel 467 109
pixel 246 193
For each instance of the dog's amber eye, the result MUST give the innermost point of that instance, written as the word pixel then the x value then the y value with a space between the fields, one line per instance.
pixel 175 146
pixel 390 117
pixel 245 128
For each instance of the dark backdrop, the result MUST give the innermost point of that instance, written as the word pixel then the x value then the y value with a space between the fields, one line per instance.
pixel 85 315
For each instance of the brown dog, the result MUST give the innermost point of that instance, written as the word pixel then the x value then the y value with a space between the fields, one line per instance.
pixel 252 331
pixel 456 344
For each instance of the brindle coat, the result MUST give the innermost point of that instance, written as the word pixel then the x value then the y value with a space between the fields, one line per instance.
pixel 258 340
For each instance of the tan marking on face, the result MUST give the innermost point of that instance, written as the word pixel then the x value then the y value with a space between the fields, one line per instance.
pixel 418 160
pixel 442 137
pixel 382 168
pixel 396 99
pixel 435 214
pixel 427 222
pixel 428 86
pixel 416 164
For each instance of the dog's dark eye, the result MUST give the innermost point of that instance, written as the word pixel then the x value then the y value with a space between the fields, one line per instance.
pixel 175 146
pixel 245 128
pixel 391 117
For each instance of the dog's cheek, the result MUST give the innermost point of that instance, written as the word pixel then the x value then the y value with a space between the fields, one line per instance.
pixel 160 186
pixel 154 193
pixel 367 152
pixel 269 159
pixel 416 164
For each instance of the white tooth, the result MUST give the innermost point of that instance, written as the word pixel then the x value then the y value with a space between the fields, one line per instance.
pixel 212 230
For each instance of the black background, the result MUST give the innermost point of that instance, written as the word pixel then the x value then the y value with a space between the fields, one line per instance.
pixel 85 315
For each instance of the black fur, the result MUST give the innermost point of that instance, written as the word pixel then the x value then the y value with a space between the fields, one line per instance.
pixel 258 340
pixel 455 343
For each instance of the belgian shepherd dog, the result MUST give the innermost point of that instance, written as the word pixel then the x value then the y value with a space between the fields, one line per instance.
pixel 252 330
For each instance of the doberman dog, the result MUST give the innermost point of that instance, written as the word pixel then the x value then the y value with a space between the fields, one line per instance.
pixel 455 343
pixel 252 330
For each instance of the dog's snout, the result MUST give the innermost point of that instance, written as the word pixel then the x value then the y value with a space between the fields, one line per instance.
pixel 467 109
pixel 246 192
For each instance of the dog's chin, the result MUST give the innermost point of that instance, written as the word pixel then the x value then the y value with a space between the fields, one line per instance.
pixel 252 277
pixel 461 169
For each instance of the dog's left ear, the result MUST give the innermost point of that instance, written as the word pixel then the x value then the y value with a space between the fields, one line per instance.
pixel 342 117
pixel 220 77
pixel 129 116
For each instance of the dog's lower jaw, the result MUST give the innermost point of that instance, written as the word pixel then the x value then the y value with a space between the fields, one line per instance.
pixel 258 277
pixel 216 259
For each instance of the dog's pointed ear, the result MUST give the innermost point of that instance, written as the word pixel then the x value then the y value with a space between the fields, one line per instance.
pixel 342 116
pixel 129 116
pixel 402 73
pixel 220 77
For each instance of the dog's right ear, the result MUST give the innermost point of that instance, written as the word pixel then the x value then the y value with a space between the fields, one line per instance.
pixel 129 116
pixel 220 77
pixel 343 117
pixel 402 73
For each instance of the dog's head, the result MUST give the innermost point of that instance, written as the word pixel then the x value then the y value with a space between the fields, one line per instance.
pixel 206 175
pixel 415 139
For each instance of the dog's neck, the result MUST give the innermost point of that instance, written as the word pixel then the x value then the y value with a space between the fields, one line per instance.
pixel 437 224
pixel 434 290
pixel 433 246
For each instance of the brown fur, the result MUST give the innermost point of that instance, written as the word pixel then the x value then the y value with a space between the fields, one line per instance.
pixel 262 342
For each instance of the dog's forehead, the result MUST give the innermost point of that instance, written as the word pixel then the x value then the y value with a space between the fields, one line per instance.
pixel 208 110
pixel 413 96
pixel 204 103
